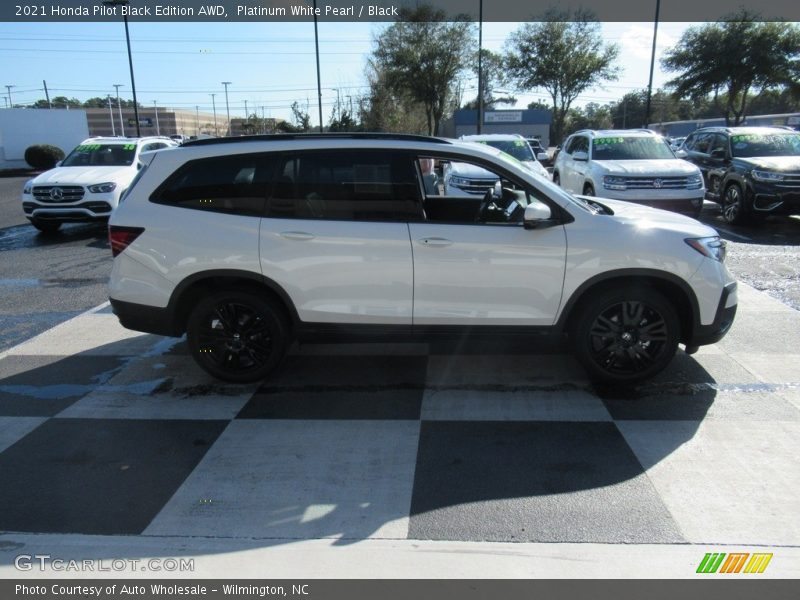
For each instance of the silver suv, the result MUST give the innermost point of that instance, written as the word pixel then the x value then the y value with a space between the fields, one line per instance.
pixel 635 165
pixel 247 244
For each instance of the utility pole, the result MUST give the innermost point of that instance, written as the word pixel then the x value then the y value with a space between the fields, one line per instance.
pixel 155 109
pixel 197 116
pixel 246 116
pixel 130 59
pixel 46 94
pixel 652 62
pixel 214 107
pixel 10 102
pixel 319 81
pixel 227 108
pixel 119 108
pixel 480 68
pixel 111 116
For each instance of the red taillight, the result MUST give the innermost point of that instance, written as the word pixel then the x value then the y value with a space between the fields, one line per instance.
pixel 122 237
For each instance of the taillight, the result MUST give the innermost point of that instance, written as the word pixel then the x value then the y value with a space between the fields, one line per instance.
pixel 122 237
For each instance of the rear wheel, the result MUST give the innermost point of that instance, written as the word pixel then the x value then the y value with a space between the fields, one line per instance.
pixel 625 335
pixel 46 226
pixel 237 335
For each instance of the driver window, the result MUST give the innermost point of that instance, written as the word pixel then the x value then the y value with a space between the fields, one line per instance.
pixel 464 192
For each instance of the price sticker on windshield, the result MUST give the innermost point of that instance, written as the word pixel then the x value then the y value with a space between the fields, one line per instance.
pixel 609 140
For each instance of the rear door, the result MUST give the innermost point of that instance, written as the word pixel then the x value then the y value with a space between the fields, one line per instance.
pixel 335 235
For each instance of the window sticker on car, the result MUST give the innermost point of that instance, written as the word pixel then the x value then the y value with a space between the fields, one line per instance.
pixel 129 147
pixel 609 140
pixel 88 147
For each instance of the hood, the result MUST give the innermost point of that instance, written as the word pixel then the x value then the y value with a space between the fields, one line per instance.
pixel 637 215
pixel 85 175
pixel 661 167
pixel 460 169
pixel 789 164
pixel 536 167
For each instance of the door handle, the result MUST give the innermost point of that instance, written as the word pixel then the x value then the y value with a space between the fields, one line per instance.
pixel 436 241
pixel 296 235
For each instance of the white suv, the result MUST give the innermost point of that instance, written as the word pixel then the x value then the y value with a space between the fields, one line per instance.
pixel 249 243
pixel 635 165
pixel 88 184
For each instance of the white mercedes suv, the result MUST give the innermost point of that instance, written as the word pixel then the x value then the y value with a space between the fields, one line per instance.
pixel 635 165
pixel 88 184
pixel 247 244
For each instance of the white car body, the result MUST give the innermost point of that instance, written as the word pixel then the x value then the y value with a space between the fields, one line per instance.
pixel 670 182
pixel 407 273
pixel 69 193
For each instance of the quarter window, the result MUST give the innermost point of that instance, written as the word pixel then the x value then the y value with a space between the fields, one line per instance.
pixel 349 186
pixel 231 184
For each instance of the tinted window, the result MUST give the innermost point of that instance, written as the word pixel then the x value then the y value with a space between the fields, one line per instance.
pixel 630 148
pixel 101 155
pixel 720 142
pixel 232 184
pixel 702 143
pixel 578 144
pixel 358 186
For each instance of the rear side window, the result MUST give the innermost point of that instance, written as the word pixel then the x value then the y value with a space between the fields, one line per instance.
pixel 345 185
pixel 234 184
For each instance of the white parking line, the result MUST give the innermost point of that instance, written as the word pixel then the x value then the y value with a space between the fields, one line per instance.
pixel 736 235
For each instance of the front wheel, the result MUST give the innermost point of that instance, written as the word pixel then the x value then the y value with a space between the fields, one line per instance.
pixel 588 190
pixel 237 336
pixel 625 335
pixel 733 207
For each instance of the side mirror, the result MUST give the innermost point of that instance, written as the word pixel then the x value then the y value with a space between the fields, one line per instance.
pixel 535 213
pixel 681 153
pixel 719 153
pixel 542 156
pixel 581 156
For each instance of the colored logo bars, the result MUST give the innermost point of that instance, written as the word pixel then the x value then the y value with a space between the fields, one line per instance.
pixel 716 562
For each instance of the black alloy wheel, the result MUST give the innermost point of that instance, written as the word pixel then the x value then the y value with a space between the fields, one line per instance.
pixel 628 335
pixel 237 336
pixel 733 208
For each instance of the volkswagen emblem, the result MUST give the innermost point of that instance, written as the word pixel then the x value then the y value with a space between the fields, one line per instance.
pixel 657 183
pixel 56 193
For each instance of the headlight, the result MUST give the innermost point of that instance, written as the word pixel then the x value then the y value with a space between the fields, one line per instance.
pixel 610 182
pixel 103 188
pixel 694 182
pixel 766 175
pixel 710 247
pixel 28 187
pixel 457 181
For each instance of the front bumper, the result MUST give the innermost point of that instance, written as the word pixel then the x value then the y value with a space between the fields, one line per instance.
pixel 775 198
pixel 723 320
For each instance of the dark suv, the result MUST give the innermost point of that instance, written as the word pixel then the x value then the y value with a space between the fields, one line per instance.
pixel 750 171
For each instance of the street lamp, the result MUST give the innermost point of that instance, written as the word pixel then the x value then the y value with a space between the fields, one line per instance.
pixel 116 3
pixel 111 116
pixel 155 109
pixel 227 108
pixel 119 108
pixel 652 63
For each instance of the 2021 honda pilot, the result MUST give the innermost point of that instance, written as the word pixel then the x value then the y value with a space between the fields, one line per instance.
pixel 247 244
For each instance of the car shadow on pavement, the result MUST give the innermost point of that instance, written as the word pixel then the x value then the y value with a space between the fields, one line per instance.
pixel 343 442
pixel 26 236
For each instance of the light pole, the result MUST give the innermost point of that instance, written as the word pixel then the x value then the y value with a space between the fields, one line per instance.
pixel 319 81
pixel 111 116
pixel 214 107
pixel 480 68
pixel 197 116
pixel 155 109
pixel 130 59
pixel 119 108
pixel 652 62
pixel 10 103
pixel 227 108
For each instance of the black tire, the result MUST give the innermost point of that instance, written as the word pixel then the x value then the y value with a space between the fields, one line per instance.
pixel 734 206
pixel 625 335
pixel 237 335
pixel 556 178
pixel 588 189
pixel 46 226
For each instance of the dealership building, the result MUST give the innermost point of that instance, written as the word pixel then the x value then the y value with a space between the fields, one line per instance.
pixel 531 123
pixel 154 121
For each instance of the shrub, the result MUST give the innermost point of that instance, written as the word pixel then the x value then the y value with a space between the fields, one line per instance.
pixel 43 156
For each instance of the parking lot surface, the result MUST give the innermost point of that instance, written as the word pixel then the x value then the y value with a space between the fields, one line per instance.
pixel 391 449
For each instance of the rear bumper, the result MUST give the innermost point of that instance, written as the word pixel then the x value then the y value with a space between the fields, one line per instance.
pixel 148 319
pixel 723 320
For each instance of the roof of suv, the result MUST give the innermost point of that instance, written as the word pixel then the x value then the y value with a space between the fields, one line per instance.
pixel 282 137
pixel 493 137
pixel 743 129
pixel 617 132
pixel 125 140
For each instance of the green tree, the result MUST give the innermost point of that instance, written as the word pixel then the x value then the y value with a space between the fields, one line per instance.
pixel 729 60
pixel 422 57
pixel 563 54
pixel 494 77
pixel 301 118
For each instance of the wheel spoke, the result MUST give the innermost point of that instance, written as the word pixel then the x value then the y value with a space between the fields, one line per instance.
pixel 632 313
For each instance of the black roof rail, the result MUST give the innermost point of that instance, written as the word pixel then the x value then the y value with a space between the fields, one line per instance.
pixel 278 137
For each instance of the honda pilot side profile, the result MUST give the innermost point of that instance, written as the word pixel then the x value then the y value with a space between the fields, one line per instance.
pixel 247 244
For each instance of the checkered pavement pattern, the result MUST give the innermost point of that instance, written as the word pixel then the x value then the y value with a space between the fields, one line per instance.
pixel 108 431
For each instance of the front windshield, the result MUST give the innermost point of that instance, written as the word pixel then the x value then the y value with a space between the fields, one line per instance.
pixel 630 148
pixel 769 144
pixel 101 155
pixel 519 149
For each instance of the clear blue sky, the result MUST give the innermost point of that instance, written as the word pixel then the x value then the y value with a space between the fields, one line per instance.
pixel 269 64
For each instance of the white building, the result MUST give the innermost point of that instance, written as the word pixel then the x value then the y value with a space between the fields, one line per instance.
pixel 23 127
